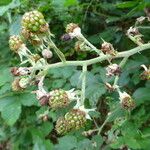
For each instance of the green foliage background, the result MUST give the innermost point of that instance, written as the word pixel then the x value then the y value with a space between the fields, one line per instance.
pixel 20 126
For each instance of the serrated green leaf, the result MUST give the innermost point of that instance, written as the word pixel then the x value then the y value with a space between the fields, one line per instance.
pixel 127 4
pixel 116 114
pixel 46 128
pixel 70 3
pixel 85 144
pixel 11 111
pixel 6 100
pixel 58 83
pixel 132 143
pixel 94 92
pixel 13 4
pixel 69 145
pixel 5 76
pixel 97 141
pixel 141 95
pixel 74 80
pixel 15 26
pixel 5 2
pixel 5 88
pixel 28 99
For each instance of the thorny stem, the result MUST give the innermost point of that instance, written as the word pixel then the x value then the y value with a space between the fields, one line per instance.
pixel 84 70
pixel 98 59
pixel 101 127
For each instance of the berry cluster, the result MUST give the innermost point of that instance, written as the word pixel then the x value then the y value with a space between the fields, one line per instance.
pixel 34 21
pixel 36 30
pixel 73 120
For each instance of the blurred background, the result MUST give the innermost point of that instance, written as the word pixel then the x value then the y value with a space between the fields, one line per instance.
pixel 21 126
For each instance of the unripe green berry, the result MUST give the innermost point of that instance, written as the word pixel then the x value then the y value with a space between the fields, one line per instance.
pixel 58 98
pixel 15 42
pixel 33 21
pixel 76 119
pixel 61 126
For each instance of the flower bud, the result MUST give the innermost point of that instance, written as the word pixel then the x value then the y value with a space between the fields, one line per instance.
pixel 66 37
pixel 140 19
pixel 20 84
pixel 21 71
pixel 70 27
pixel 146 73
pixel 107 48
pixel 44 100
pixel 81 46
pixel 110 87
pixel 23 82
pixel 126 101
pixel 74 30
pixel 133 31
pixel 113 70
pixel 47 54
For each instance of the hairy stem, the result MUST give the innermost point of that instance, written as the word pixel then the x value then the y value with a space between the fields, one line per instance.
pixel 135 40
pixel 98 59
pixel 84 70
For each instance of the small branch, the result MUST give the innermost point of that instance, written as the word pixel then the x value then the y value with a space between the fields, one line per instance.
pixel 101 127
pixel 91 45
pixel 122 63
pixel 57 51
pixel 135 40
pixel 84 70
pixel 143 27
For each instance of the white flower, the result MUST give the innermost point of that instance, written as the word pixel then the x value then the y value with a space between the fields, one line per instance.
pixel 46 53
